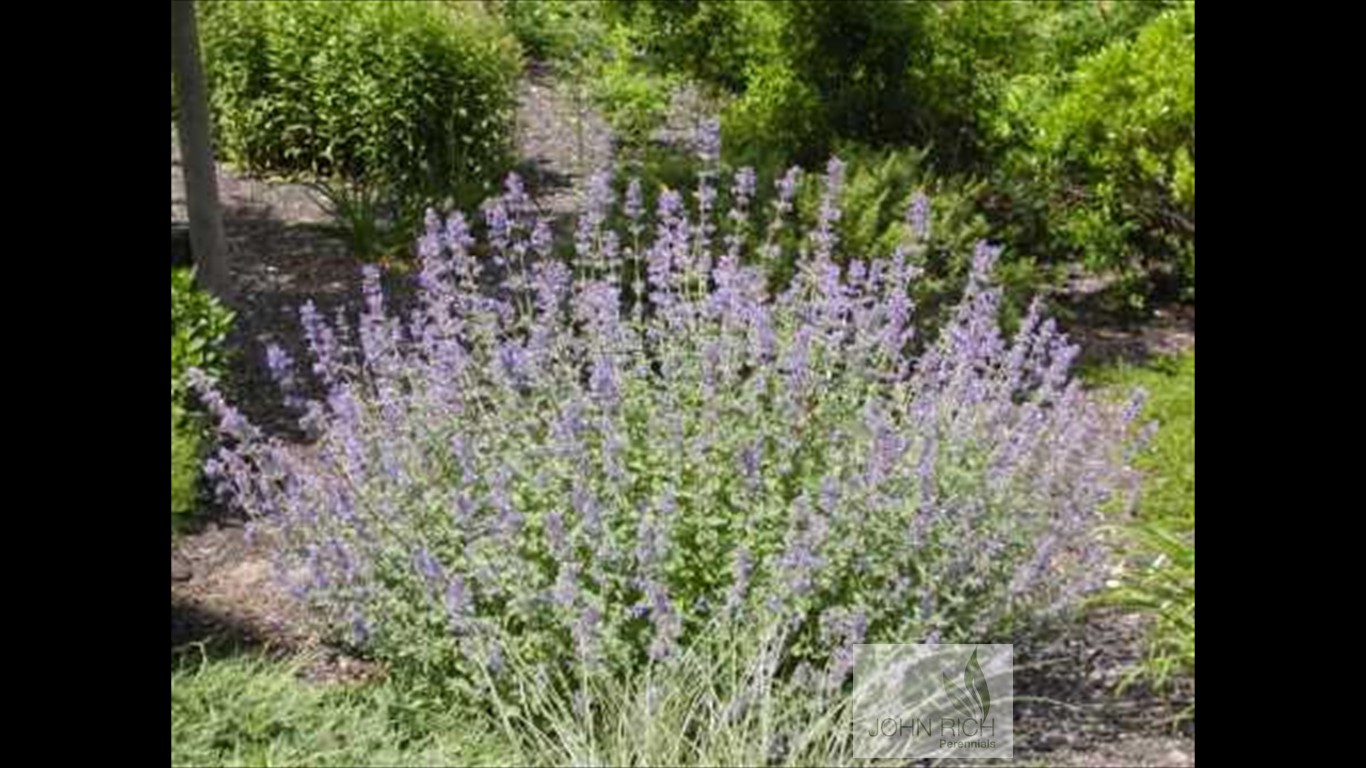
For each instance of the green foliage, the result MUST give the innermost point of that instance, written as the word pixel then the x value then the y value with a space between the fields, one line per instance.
pixel 1170 460
pixel 879 188
pixel 1081 112
pixel 725 701
pixel 375 220
pixel 199 326
pixel 252 711
pixel 412 99
pixel 707 41
pixel 1162 585
pixel 634 99
pixel 817 71
pixel 722 703
pixel 185 453
pixel 550 29
pixel 1162 544
pixel 1116 152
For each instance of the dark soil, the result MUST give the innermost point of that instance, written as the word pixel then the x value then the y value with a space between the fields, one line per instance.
pixel 223 596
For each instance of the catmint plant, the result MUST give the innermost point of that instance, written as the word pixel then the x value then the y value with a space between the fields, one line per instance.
pixel 546 467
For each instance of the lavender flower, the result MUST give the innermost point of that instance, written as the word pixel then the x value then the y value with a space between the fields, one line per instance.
pixel 579 482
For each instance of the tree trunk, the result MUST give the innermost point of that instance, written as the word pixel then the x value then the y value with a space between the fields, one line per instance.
pixel 196 152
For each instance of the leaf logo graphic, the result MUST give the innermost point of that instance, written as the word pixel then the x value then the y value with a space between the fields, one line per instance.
pixel 971 699
pixel 976 683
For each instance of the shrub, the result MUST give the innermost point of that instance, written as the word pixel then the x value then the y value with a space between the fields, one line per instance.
pixel 199 327
pixel 546 473
pixel 825 71
pixel 634 100
pixel 1007 90
pixel 414 99
pixel 1116 152
pixel 553 31
pixel 882 187
pixel 707 42
pixel 185 457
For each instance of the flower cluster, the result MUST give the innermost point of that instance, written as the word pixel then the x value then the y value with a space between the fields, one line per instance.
pixel 591 479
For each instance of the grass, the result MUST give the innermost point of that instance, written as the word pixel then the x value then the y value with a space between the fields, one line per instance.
pixel 1162 541
pixel 250 710
pixel 722 703
pixel 1169 495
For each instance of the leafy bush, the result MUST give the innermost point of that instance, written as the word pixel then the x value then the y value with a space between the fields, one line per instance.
pixel 821 71
pixel 634 99
pixel 882 189
pixel 412 99
pixel 550 29
pixel 707 42
pixel 199 327
pixel 545 473
pixel 1116 152
pixel 1018 92
pixel 185 457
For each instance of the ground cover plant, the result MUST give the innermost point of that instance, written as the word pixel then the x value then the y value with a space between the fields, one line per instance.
pixel 526 467
pixel 1161 545
pixel 254 710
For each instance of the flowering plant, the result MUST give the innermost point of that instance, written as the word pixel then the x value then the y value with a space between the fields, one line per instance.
pixel 528 462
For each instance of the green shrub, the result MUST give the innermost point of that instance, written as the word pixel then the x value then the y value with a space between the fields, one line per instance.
pixel 1116 153
pixel 199 327
pixel 816 72
pixel 879 190
pixel 634 99
pixel 414 99
pixel 550 29
pixel 1017 91
pixel 184 464
pixel 706 41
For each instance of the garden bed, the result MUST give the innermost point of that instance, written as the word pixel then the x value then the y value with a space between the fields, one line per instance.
pixel 283 254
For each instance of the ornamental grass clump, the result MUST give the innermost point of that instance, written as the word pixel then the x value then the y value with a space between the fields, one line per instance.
pixel 529 464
